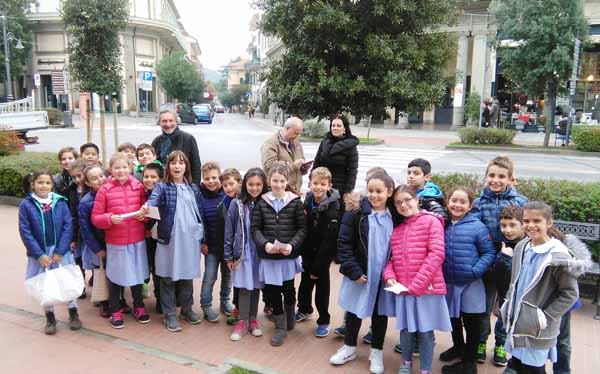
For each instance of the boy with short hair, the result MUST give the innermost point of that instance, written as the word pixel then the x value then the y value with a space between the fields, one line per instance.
pixel 431 197
pixel 151 175
pixel 322 207
pixel 90 154
pixel 61 181
pixel 212 194
pixel 145 154
pixel 231 180
pixel 497 195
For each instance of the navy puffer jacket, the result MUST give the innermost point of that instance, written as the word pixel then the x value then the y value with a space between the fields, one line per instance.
pixel 469 251
pixel 489 205
pixel 353 241
pixel 92 236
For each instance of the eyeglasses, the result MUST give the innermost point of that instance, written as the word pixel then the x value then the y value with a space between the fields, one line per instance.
pixel 400 202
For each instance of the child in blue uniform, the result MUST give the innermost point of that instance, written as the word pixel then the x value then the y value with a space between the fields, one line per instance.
pixel 45 226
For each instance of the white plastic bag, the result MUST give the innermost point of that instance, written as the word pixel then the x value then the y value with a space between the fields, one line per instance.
pixel 56 286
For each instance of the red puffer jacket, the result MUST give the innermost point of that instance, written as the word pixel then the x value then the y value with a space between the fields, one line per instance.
pixel 417 247
pixel 117 198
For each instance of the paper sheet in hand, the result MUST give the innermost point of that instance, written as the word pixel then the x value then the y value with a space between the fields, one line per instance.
pixel 153 213
pixel 279 246
pixel 397 288
pixel 129 215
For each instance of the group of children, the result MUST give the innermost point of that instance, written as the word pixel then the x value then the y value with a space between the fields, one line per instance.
pixel 404 252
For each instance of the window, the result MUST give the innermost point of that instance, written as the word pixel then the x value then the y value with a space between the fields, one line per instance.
pixel 50 42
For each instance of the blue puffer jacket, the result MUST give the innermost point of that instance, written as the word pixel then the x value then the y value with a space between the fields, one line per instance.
pixel 32 227
pixel 92 236
pixel 210 201
pixel 164 196
pixel 236 231
pixel 487 209
pixel 469 251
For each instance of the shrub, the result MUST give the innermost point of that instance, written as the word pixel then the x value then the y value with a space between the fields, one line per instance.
pixel 55 116
pixel 14 168
pixel 474 135
pixel 314 128
pixel 9 142
pixel 586 138
pixel 472 109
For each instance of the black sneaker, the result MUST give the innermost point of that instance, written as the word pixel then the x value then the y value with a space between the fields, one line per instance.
pixel 451 354
pixel 116 320
pixel 481 353
pixel 500 356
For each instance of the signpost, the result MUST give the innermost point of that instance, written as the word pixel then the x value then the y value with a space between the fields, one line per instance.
pixel 146 81
pixel 573 85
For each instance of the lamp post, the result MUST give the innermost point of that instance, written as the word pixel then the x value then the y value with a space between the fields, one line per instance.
pixel 7 37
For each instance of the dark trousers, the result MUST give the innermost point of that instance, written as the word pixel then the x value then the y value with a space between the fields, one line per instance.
pixel 151 251
pixel 516 364
pixel 563 346
pixel 378 328
pixel 115 297
pixel 489 283
pixel 248 304
pixel 274 294
pixel 236 297
pixel 321 286
pixel 472 325
pixel 173 294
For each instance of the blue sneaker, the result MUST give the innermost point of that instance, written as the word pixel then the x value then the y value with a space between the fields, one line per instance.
pixel 340 331
pixel 302 316
pixel 322 331
pixel 367 339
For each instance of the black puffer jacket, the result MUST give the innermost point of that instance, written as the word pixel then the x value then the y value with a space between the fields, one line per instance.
pixel 322 228
pixel 340 156
pixel 287 226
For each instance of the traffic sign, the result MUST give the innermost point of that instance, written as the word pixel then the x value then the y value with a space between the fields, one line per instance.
pixel 146 81
pixel 37 80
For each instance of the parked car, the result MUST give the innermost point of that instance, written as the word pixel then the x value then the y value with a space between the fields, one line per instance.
pixel 208 106
pixel 219 109
pixel 185 114
pixel 203 113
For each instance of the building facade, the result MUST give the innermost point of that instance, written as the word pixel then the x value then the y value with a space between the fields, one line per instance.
pixel 153 31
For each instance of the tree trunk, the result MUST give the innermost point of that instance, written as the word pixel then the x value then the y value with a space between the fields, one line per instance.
pixel 88 120
pixel 102 132
pixel 552 100
pixel 115 128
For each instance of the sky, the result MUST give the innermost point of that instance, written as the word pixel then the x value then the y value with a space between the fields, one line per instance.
pixel 221 27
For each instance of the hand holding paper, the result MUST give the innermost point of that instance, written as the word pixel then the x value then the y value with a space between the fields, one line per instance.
pixel 397 288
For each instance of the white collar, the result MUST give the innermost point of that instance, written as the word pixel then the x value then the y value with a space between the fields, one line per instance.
pixel 40 200
pixel 543 248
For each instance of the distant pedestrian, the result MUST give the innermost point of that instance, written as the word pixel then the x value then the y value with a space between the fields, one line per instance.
pixel 495 112
pixel 173 139
pixel 284 147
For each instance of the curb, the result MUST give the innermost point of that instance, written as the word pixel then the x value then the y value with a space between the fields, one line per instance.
pixel 313 140
pixel 525 149
pixel 10 200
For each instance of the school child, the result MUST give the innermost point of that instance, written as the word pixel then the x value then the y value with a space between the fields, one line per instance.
pixel 431 198
pixel 497 194
pixel 180 231
pixel 469 254
pixel 241 254
pixel 130 150
pixel 145 154
pixel 45 226
pixel 94 244
pixel 278 230
pixel 152 174
pixel 363 249
pixel 62 180
pixel 212 194
pixel 417 254
pixel 231 180
pixel 74 193
pixel 126 261
pixel 322 207
pixel 543 288
pixel 90 153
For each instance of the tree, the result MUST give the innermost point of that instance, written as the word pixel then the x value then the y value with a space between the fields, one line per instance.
pixel 95 49
pixel 18 26
pixel 179 79
pixel 544 33
pixel 358 56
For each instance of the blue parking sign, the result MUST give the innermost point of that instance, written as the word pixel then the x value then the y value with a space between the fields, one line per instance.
pixel 146 81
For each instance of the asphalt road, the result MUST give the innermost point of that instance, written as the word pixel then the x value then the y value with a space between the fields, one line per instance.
pixel 234 141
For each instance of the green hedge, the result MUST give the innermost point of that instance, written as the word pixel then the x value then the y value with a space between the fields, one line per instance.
pixel 475 135
pixel 14 168
pixel 570 200
pixel 586 138
pixel 55 116
pixel 313 128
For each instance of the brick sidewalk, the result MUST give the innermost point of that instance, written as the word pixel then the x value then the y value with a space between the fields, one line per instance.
pixel 205 348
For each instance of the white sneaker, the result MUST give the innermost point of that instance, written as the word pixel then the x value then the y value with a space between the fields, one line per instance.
pixel 343 355
pixel 376 358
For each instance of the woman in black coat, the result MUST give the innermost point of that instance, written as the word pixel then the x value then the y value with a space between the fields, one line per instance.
pixel 338 153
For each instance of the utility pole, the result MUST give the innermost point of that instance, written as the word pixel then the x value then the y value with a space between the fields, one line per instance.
pixel 7 83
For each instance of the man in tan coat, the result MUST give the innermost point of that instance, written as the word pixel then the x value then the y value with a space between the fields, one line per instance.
pixel 284 146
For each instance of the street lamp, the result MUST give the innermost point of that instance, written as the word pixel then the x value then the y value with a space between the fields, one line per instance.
pixel 7 37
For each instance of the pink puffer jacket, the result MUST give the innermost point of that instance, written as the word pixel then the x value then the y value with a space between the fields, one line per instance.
pixel 114 198
pixel 417 247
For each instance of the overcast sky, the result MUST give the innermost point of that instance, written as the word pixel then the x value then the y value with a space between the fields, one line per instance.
pixel 221 27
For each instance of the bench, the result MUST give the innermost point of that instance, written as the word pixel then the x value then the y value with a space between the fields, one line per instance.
pixel 591 232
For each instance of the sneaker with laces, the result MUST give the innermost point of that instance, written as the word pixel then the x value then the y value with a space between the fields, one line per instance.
pixel 481 353
pixel 302 316
pixel 343 355
pixel 340 331
pixel 141 316
pixel 254 328
pixel 210 315
pixel 190 317
pixel 406 368
pixel 172 324
pixel 500 356
pixel 145 290
pixel 227 308
pixel 239 331
pixel 322 331
pixel 116 320
pixel 376 358
pixel 398 348
pixel 367 339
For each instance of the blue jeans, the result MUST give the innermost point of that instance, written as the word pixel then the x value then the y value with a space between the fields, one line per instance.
pixel 211 265
pixel 563 347
pixel 407 340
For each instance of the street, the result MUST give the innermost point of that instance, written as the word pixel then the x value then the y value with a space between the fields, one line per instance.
pixel 234 141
